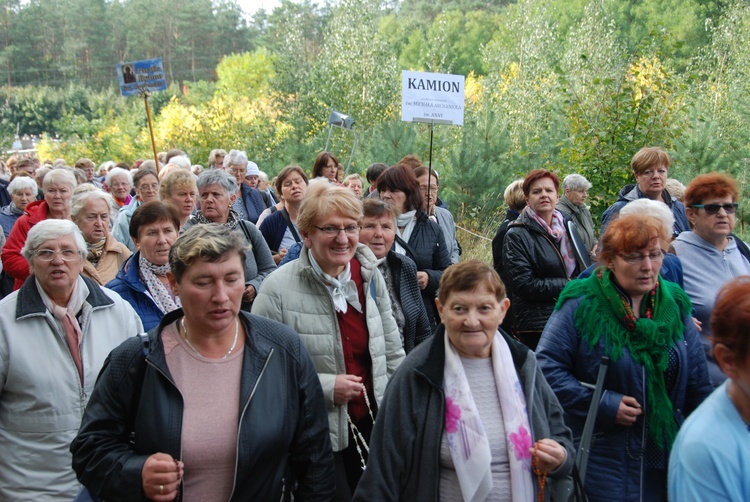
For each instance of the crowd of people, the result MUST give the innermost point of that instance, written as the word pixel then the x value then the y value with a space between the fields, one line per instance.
pixel 174 332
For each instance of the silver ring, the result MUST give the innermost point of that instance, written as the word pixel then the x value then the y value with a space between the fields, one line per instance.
pixel 161 489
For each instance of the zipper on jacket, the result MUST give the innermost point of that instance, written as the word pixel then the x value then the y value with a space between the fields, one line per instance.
pixel 242 416
pixel 169 379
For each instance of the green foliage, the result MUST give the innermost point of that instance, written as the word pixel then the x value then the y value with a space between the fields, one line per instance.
pixel 247 74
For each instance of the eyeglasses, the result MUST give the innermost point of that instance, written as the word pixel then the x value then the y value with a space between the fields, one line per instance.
pixel 711 209
pixel 235 170
pixel 433 189
pixel 332 231
pixel 65 254
pixel 637 259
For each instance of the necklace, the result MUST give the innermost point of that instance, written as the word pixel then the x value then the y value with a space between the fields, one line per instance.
pixel 359 439
pixel 234 343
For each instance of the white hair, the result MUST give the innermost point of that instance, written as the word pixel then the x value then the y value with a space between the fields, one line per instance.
pixel 22 183
pixel 576 182
pixel 182 161
pixel 60 176
pixel 118 171
pixel 51 230
pixel 82 198
pixel 648 207
pixel 216 177
pixel 235 157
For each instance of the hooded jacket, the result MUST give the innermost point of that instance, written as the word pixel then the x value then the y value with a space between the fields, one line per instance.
pixel 632 192
pixel 705 270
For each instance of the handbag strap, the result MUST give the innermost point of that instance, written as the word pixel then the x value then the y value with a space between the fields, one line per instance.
pixel 290 225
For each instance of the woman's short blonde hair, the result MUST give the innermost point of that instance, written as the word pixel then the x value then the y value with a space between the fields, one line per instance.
pixel 174 180
pixel 322 200
pixel 207 242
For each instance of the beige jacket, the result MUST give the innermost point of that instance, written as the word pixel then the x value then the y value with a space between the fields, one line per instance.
pixel 115 254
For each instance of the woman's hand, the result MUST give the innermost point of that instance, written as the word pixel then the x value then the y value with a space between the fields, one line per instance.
pixel 249 295
pixel 346 388
pixel 628 411
pixel 161 476
pixel 549 455
pixel 280 255
pixel 422 279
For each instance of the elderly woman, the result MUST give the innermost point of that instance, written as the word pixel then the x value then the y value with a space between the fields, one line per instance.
pixel 142 280
pixel 279 228
pixel 650 167
pixel 400 273
pixel 216 158
pixel 92 211
pixel 146 184
pixel 217 404
pixel 326 166
pixel 710 253
pixel 55 334
pixel 22 192
pixel 217 191
pixel 657 372
pixel 572 205
pixel 354 183
pixel 428 186
pixel 179 189
pixel 58 191
pixel 249 202
pixel 417 237
pixel 120 182
pixel 336 299
pixel 468 416
pixel 539 258
pixel 712 451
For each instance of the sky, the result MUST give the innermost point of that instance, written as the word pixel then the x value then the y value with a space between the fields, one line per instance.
pixel 250 6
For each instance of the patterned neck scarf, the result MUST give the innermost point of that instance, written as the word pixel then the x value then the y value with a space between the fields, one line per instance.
pixel 149 274
pixel 233 218
pixel 558 233
pixel 14 209
pixel 606 312
pixel 467 440
pixel 95 251
pixel 405 223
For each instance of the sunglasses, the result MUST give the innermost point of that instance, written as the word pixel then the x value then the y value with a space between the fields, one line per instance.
pixel 729 207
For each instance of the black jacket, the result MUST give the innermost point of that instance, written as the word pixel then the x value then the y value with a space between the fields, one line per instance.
pixel 416 323
pixel 404 459
pixel 534 268
pixel 136 410
pixel 426 247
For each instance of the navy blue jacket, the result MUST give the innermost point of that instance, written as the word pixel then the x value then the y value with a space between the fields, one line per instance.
pixel 128 285
pixel 630 193
pixel 616 464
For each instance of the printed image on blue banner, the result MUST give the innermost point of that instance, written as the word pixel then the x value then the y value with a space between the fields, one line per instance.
pixel 138 76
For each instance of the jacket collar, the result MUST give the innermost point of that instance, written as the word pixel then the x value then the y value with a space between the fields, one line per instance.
pixel 29 301
pixel 129 273
pixel 433 367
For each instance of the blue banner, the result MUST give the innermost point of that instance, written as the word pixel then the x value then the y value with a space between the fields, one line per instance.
pixel 139 76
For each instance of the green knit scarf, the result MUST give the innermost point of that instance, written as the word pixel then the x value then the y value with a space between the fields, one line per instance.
pixel 606 312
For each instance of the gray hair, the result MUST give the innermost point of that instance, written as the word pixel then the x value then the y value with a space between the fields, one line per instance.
pixel 106 165
pixel 235 157
pixel 181 161
pixel 51 230
pixel 576 182
pixel 150 164
pixel 82 198
pixel 61 176
pixel 118 171
pixel 22 183
pixel 263 176
pixel 648 207
pixel 216 177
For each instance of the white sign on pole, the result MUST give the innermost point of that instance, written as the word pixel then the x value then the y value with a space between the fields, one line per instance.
pixel 432 97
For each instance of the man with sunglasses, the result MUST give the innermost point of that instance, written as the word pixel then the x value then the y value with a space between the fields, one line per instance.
pixel 711 254
pixel 651 168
